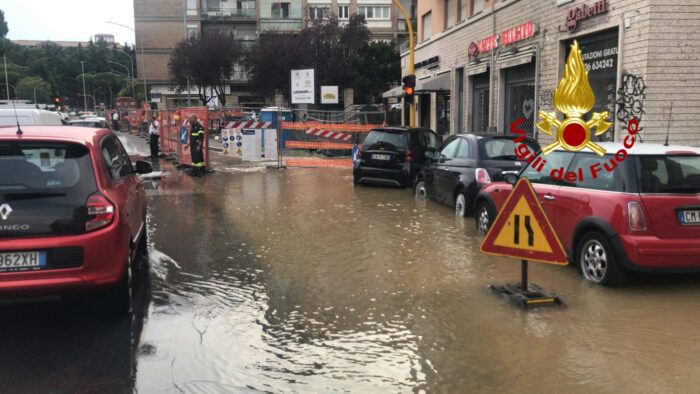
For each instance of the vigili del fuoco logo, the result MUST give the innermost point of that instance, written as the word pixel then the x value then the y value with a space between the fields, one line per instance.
pixel 574 98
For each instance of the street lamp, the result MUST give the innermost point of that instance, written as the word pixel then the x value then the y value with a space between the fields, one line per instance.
pixel 82 67
pixel 143 62
pixel 36 86
pixel 132 66
pixel 127 75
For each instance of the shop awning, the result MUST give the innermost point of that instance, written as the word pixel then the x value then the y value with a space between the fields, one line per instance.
pixel 439 83
pixel 394 92
pixel 523 56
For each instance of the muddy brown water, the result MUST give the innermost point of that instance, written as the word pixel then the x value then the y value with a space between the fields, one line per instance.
pixel 296 281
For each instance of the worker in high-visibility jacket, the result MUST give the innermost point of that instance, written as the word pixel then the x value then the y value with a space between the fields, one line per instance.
pixel 196 145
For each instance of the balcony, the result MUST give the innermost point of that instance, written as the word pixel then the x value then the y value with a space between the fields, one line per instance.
pixel 229 13
pixel 402 28
pixel 281 25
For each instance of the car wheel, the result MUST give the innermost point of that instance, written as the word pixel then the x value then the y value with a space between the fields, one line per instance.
pixel 419 189
pixel 143 242
pixel 461 204
pixel 119 297
pixel 484 217
pixel 596 261
pixel 355 181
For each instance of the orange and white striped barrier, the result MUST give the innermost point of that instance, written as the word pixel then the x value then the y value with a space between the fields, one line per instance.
pixel 248 125
pixel 318 163
pixel 317 145
pixel 333 135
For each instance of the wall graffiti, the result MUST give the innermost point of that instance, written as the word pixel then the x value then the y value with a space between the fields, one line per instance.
pixel 544 98
pixel 630 99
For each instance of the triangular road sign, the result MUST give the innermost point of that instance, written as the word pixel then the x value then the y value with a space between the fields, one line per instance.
pixel 522 230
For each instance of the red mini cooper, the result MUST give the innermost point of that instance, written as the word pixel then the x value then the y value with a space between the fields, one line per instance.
pixel 72 213
pixel 641 213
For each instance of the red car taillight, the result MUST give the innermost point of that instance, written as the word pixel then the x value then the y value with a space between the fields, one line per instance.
pixel 635 215
pixel 409 156
pixel 482 176
pixel 100 212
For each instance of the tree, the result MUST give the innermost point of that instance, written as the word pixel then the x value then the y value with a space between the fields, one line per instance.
pixel 206 61
pixel 384 61
pixel 3 25
pixel 26 86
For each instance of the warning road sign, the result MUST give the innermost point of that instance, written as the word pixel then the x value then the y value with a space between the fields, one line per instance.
pixel 522 230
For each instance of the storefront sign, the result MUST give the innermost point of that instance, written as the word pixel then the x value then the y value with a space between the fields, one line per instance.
pixel 578 14
pixel 507 37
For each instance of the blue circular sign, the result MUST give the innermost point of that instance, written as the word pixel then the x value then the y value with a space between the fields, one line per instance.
pixel 183 135
pixel 225 139
pixel 355 153
pixel 238 138
pixel 238 144
pixel 226 145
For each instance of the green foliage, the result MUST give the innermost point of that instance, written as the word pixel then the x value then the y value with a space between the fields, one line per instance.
pixel 374 66
pixel 60 68
pixel 3 25
pixel 26 87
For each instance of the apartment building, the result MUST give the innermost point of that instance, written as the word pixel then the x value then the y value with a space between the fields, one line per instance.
pixel 481 64
pixel 161 24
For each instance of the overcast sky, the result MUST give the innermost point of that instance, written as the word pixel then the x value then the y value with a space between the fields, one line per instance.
pixel 68 20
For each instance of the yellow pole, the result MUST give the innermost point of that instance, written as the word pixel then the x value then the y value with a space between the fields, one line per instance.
pixel 411 43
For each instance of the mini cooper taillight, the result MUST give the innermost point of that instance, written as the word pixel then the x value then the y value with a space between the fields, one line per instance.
pixel 100 212
pixel 482 176
pixel 635 215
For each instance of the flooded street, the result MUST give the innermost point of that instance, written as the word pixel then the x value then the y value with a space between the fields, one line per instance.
pixel 296 281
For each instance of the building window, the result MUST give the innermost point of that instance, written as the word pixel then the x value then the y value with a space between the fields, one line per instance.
pixel 450 13
pixel 319 11
pixel 520 96
pixel 343 12
pixel 427 27
pixel 280 10
pixel 477 6
pixel 480 103
pixel 192 32
pixel 375 12
pixel 191 4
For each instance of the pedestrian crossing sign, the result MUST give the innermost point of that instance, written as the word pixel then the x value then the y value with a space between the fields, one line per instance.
pixel 522 230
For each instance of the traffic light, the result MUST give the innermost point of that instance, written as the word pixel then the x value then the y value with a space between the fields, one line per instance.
pixel 409 87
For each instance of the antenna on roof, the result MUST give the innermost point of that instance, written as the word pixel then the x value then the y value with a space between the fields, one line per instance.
pixel 19 130
pixel 668 127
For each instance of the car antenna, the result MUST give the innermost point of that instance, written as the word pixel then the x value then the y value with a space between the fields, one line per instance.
pixel 19 129
pixel 668 127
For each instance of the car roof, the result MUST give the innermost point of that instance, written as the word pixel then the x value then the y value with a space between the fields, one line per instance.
pixel 83 135
pixel 647 148
pixel 400 128
pixel 491 135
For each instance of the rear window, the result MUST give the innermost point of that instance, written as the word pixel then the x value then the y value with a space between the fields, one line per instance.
pixel 392 140
pixel 502 148
pixel 45 167
pixel 669 174
pixel 86 124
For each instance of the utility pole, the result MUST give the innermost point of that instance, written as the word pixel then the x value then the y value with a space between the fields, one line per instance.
pixel 82 67
pixel 184 12
pixel 7 83
pixel 411 59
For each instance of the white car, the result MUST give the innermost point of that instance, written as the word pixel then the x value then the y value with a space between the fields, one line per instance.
pixel 395 107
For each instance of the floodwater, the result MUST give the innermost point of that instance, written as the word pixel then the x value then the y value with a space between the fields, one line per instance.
pixel 296 281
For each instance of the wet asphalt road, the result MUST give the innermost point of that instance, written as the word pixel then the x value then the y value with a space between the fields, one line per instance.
pixel 295 281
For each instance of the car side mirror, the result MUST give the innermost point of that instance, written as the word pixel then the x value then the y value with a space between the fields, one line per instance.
pixel 143 167
pixel 510 178
pixel 430 154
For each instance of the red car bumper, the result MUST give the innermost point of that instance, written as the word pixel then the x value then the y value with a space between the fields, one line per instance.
pixel 651 252
pixel 104 255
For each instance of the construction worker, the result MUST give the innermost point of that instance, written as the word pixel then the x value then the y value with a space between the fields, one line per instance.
pixel 196 145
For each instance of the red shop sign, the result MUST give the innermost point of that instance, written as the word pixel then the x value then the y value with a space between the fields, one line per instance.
pixel 508 37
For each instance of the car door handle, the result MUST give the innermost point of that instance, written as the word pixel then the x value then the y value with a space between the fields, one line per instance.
pixel 549 197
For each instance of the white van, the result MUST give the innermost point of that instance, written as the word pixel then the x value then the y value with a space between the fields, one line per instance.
pixel 29 117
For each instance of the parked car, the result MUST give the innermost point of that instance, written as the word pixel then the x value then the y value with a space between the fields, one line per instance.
pixel 467 163
pixel 394 156
pixel 642 216
pixel 396 107
pixel 73 213
pixel 96 122
pixel 29 117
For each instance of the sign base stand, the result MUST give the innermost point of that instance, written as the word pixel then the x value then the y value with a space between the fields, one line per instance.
pixel 533 297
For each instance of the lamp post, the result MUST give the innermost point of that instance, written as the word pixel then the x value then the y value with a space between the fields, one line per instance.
pixel 82 67
pixel 36 86
pixel 127 75
pixel 133 76
pixel 143 62
pixel 7 83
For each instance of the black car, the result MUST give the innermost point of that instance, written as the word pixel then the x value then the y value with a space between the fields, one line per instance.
pixel 468 161
pixel 394 156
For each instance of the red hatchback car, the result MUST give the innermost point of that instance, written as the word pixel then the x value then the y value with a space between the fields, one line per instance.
pixel 644 215
pixel 72 213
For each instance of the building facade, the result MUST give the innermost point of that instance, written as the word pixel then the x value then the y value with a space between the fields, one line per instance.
pixel 161 24
pixel 481 65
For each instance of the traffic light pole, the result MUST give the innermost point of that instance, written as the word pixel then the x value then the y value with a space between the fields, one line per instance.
pixel 411 59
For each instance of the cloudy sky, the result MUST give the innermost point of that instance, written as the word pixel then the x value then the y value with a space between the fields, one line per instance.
pixel 69 20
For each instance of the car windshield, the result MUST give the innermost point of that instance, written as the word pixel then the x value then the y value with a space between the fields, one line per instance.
pixel 502 148
pixel 390 139
pixel 669 174
pixel 31 167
